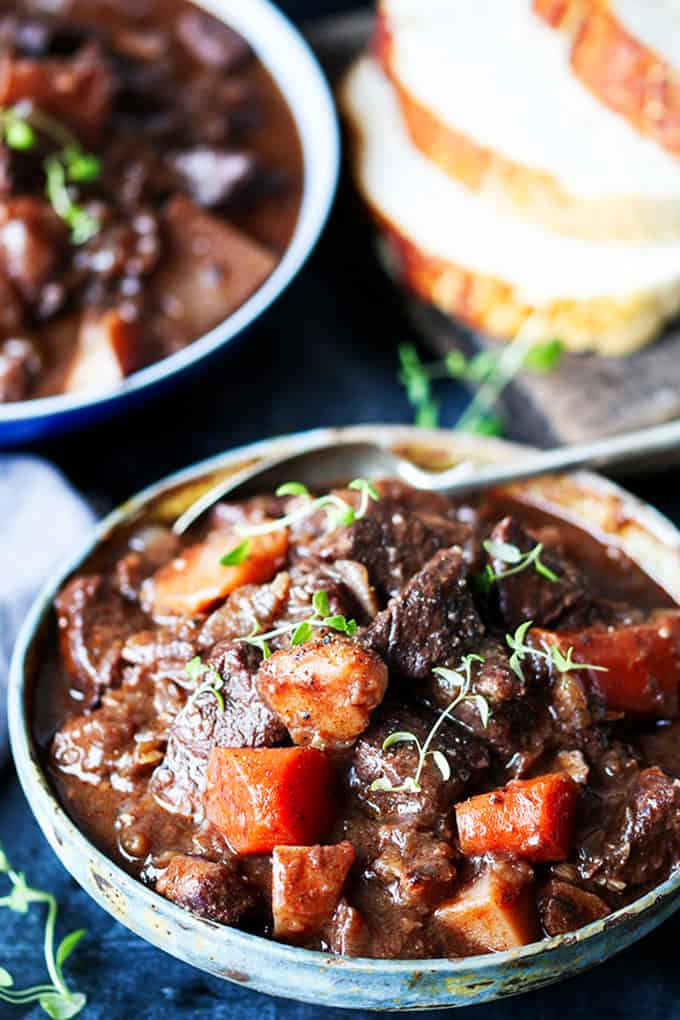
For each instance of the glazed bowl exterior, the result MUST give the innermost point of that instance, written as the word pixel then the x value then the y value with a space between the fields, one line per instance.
pixel 288 58
pixel 584 499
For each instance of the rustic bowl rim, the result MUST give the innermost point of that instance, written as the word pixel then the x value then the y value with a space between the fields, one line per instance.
pixel 273 36
pixel 43 801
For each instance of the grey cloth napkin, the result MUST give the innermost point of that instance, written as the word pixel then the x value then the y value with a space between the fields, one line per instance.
pixel 42 520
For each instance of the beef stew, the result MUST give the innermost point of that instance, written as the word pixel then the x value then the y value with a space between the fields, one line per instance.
pixel 150 181
pixel 280 726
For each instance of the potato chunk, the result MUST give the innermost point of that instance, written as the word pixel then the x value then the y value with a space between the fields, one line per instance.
pixel 324 690
pixel 307 885
pixel 496 911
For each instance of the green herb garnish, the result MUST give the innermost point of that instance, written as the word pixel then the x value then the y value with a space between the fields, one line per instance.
pixel 462 678
pixel 208 680
pixel 338 510
pixel 517 562
pixel 304 630
pixel 239 554
pixel 553 656
pixel 487 373
pixel 56 998
pixel 19 129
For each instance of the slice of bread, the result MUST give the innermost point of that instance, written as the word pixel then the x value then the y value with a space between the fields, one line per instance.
pixel 488 94
pixel 497 272
pixel 627 52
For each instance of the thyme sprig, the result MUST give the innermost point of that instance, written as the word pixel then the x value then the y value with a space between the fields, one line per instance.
pixel 20 126
pixel 207 679
pixel 487 373
pixel 303 631
pixel 462 678
pixel 338 511
pixel 553 656
pixel 517 562
pixel 55 998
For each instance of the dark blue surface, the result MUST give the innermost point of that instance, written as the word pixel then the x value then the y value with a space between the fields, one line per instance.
pixel 325 356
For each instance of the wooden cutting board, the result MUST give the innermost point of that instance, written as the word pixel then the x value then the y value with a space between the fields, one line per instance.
pixel 588 396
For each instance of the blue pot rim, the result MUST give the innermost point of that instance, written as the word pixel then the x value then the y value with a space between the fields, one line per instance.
pixel 317 121
pixel 44 803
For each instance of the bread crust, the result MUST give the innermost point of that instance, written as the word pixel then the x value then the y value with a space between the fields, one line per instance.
pixel 519 190
pixel 620 70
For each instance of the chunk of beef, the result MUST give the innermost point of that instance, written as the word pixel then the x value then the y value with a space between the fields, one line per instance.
pixel 178 784
pixel 638 841
pixel 213 890
pixel 77 89
pixel 324 690
pixel 31 240
pixel 417 869
pixel 248 605
pixel 433 620
pixel 94 623
pixel 467 759
pixel 150 547
pixel 211 42
pixel 116 742
pixel 20 363
pixel 209 270
pixel 528 595
pixel 393 543
pixel 564 908
pixel 662 747
pixel 214 177
pixel 163 653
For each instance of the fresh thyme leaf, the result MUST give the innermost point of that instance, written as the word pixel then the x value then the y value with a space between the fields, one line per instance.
pixel 519 561
pixel 338 510
pixel 68 944
pixel 303 630
pixel 461 678
pixel 502 551
pixel 61 1007
pixel 399 737
pixel 212 682
pixel 565 664
pixel 19 135
pixel 441 761
pixel 302 633
pixel 292 489
pixel 544 357
pixel 320 603
pixel 239 554
pixel 82 167
pixel 83 225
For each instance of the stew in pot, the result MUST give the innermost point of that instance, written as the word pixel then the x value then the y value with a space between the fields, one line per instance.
pixel 373 722
pixel 150 181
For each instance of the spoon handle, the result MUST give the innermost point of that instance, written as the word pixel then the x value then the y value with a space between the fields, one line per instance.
pixel 602 453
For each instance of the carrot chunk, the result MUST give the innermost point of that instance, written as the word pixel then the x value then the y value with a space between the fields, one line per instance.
pixel 496 911
pixel 196 580
pixel 324 690
pixel 530 818
pixel 264 797
pixel 642 663
pixel 307 884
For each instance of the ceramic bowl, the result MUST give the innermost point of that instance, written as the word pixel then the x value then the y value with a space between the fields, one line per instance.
pixel 584 499
pixel 288 58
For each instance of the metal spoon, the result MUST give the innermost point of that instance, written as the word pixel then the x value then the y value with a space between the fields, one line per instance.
pixel 326 464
